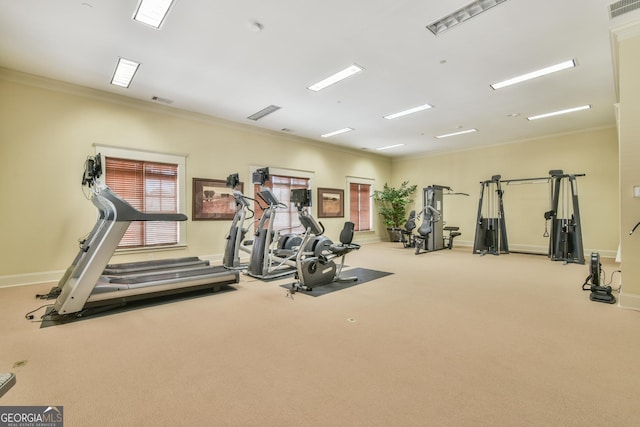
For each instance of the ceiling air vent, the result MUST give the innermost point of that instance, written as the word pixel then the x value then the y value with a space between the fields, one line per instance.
pixel 163 100
pixel 472 9
pixel 623 6
pixel 265 111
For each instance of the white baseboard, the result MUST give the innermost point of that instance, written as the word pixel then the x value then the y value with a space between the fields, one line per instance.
pixel 368 240
pixel 542 250
pixel 30 278
pixel 630 301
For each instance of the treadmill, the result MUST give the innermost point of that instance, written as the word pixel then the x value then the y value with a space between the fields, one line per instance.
pixel 85 285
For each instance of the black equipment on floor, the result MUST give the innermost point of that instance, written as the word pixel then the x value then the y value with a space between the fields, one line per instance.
pixel 565 243
pixel 593 282
pixel 491 230
pixel 84 287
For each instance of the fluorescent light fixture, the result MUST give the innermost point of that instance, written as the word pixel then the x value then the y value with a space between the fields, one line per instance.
pixel 409 111
pixel 341 75
pixel 389 146
pixel 462 132
pixel 152 12
pixel 125 70
pixel 336 132
pixel 265 111
pixel 557 113
pixel 532 75
pixel 464 13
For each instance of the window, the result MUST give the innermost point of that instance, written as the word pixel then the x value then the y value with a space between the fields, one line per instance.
pixel 360 204
pixel 150 182
pixel 281 186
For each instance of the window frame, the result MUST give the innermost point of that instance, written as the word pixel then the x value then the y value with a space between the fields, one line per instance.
pixel 365 181
pixel 293 173
pixel 151 156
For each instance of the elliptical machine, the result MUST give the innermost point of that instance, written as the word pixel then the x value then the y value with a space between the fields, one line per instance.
pixel 315 265
pixel 237 231
pixel 272 255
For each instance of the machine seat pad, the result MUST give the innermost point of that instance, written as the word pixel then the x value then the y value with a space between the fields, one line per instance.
pixel 339 250
pixel 451 228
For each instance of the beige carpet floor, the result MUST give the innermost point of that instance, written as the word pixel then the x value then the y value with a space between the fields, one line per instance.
pixel 449 339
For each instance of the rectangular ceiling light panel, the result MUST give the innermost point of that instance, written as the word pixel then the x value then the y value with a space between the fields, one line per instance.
pixel 125 70
pixel 409 111
pixel 265 111
pixel 557 113
pixel 340 75
pixel 534 74
pixel 464 13
pixel 389 147
pixel 336 132
pixel 462 132
pixel 152 12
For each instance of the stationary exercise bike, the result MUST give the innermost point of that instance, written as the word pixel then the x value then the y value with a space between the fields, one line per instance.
pixel 315 265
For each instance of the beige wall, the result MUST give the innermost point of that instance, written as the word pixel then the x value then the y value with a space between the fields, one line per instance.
pixel 593 152
pixel 47 129
pixel 628 46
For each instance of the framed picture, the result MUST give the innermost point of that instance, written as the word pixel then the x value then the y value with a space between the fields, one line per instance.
pixel 212 199
pixel 330 203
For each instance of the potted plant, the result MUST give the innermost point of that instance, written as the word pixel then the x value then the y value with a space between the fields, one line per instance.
pixel 393 204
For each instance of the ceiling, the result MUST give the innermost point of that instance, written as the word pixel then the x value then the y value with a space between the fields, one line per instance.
pixel 208 58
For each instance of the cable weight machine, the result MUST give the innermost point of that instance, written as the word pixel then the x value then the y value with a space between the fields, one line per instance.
pixel 491 231
pixel 565 243
pixel 565 239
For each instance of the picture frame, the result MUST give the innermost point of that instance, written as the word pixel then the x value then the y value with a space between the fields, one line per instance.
pixel 330 203
pixel 213 200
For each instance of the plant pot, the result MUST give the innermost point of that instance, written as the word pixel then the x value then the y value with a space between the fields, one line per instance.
pixel 395 234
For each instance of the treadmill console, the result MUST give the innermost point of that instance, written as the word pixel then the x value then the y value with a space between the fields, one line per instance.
pixel 92 169
pixel 261 176
pixel 233 180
